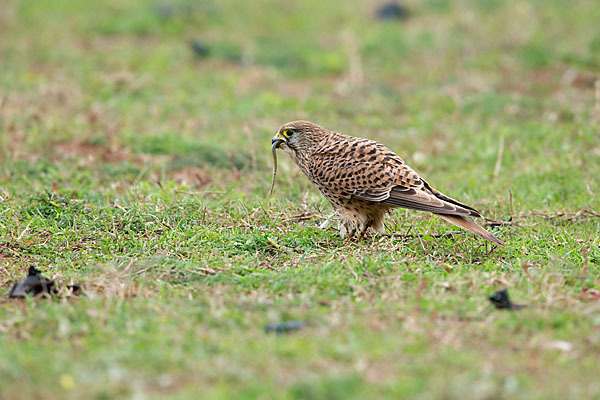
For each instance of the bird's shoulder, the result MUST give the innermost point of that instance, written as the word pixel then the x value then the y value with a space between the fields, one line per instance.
pixel 357 148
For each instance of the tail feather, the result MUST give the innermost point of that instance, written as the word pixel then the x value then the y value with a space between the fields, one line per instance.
pixel 469 225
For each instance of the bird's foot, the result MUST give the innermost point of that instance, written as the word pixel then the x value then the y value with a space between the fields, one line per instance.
pixel 363 231
pixel 348 235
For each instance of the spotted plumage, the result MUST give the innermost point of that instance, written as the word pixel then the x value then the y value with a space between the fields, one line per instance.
pixel 363 180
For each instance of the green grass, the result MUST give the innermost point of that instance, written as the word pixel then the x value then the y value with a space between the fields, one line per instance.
pixel 140 170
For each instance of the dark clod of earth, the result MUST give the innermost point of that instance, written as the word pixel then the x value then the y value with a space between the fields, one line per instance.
pixel 501 301
pixel 199 49
pixel 35 283
pixel 392 10
pixel 284 327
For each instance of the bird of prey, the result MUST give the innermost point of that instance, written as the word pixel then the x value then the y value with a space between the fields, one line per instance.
pixel 363 180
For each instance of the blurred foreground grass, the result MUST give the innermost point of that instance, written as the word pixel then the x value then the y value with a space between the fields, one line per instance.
pixel 131 164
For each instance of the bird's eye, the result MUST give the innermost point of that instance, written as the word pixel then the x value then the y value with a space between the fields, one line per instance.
pixel 288 133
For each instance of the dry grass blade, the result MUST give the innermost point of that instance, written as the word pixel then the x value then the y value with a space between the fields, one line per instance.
pixel 421 235
pixel 305 216
pixel 569 216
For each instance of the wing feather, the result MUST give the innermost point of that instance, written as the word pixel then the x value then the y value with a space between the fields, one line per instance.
pixel 377 175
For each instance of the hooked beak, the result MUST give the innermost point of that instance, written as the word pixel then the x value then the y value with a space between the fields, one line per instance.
pixel 277 141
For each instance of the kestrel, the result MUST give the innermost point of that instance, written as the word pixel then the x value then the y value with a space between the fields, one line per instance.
pixel 363 180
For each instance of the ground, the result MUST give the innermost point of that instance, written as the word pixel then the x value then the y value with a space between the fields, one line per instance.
pixel 135 160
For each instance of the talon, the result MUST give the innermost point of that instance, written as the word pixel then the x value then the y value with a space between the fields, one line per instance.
pixel 363 231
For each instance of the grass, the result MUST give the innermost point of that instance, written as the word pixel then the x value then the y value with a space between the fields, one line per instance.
pixel 139 169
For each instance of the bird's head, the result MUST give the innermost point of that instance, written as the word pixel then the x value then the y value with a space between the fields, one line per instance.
pixel 298 136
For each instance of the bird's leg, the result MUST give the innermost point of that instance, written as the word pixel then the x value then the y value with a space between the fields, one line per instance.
pixel 363 231
pixel 347 230
pixel 351 234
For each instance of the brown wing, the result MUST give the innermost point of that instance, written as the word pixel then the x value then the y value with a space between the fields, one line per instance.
pixel 368 171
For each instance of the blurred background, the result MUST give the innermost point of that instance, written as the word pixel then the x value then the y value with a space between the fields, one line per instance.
pixel 190 90
pixel 135 159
